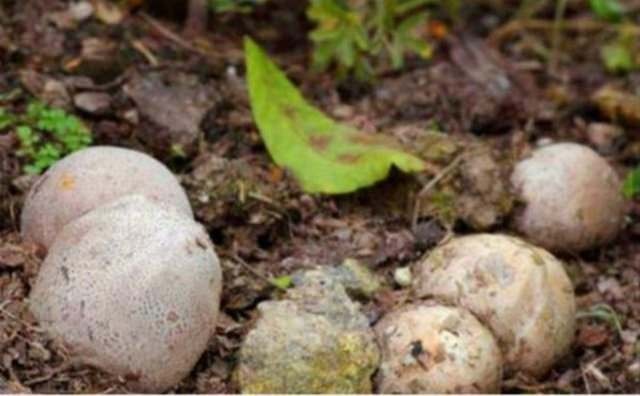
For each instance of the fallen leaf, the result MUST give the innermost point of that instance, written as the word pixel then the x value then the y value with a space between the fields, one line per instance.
pixel 593 335
pixel 11 256
pixel 618 105
pixel 107 12
pixel 324 156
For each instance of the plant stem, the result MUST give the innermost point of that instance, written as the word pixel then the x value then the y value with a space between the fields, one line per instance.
pixel 561 6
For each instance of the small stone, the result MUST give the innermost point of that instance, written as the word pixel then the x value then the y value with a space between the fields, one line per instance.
pixel 606 138
pixel 315 341
pixel 402 276
pixel 98 103
pixel 81 10
pixel 173 108
pixel 633 371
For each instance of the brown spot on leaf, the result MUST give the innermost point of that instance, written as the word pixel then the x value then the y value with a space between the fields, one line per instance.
pixel 365 139
pixel 349 158
pixel 289 111
pixel 319 142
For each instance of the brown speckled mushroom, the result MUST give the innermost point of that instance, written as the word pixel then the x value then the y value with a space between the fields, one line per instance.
pixel 572 198
pixel 132 287
pixel 519 291
pixel 90 178
pixel 434 349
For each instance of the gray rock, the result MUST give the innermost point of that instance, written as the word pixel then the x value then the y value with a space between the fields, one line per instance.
pixel 172 108
pixel 93 102
pixel 315 341
pixel 356 278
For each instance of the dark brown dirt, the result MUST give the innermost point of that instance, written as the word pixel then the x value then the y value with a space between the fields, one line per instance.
pixel 488 85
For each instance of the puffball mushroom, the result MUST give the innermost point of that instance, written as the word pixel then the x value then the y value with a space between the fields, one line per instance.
pixel 133 288
pixel 572 198
pixel 90 178
pixel 431 348
pixel 519 291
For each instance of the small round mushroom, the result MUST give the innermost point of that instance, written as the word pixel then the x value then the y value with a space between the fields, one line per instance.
pixel 519 291
pixel 572 198
pixel 431 348
pixel 133 288
pixel 90 178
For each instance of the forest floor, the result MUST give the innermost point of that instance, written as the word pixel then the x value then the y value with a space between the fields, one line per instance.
pixel 486 85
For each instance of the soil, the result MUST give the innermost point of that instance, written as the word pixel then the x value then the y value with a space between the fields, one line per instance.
pixel 493 83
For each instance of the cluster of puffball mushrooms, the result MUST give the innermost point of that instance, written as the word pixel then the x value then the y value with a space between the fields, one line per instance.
pixel 131 284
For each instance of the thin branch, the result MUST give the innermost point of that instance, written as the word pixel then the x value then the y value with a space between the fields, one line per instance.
pixel 580 25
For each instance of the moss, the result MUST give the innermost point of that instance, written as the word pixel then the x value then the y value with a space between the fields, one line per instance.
pixel 345 367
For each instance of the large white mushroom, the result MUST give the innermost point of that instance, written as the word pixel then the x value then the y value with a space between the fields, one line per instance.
pixel 434 349
pixel 132 287
pixel 572 198
pixel 90 178
pixel 519 291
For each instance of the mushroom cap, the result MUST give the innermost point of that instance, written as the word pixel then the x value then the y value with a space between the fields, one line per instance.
pixel 572 198
pixel 519 291
pixel 90 178
pixel 133 288
pixel 431 348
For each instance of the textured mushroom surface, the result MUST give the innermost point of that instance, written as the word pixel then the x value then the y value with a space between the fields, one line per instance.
pixel 132 287
pixel 572 198
pixel 431 348
pixel 314 341
pixel 520 292
pixel 90 178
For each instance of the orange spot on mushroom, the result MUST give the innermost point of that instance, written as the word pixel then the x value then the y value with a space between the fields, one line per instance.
pixel 67 182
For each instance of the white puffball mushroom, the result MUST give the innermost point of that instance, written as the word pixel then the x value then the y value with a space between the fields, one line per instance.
pixel 90 178
pixel 133 288
pixel 572 198
pixel 431 348
pixel 519 291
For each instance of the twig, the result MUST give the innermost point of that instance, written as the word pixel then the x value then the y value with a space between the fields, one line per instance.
pixel 22 322
pixel 580 25
pixel 160 28
pixel 246 266
pixel 197 17
pixel 49 375
pixel 556 36
pixel 140 47
pixel 429 186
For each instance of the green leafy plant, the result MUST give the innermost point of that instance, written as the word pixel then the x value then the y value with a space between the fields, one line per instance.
pixel 631 186
pixel 618 55
pixel 45 134
pixel 324 156
pixel 609 10
pixel 231 6
pixel 604 313
pixel 351 33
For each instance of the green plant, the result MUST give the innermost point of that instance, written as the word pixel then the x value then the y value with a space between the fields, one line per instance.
pixel 239 6
pixel 609 10
pixel 323 155
pixel 631 186
pixel 45 134
pixel 618 55
pixel 353 34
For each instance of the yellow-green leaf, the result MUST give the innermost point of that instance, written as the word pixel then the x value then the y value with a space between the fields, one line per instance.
pixel 323 155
